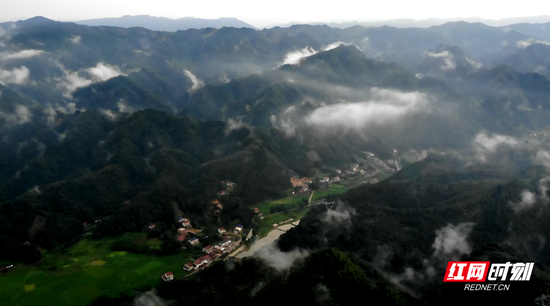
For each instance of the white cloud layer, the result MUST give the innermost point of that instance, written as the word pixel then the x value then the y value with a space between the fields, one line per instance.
pixel 294 57
pixel 196 82
pixel 103 72
pixel 448 58
pixel 451 242
pixel 485 145
pixel 384 108
pixel 20 55
pixel 76 39
pixel 72 80
pixel 530 41
pixel 21 115
pixel 15 76
pixel 277 259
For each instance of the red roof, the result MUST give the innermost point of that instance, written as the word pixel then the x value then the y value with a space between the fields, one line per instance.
pixel 189 264
pixel 207 247
pixel 181 238
pixel 212 254
pixel 169 273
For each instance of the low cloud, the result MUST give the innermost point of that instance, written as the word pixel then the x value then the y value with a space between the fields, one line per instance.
pixel 385 107
pixel 109 114
pixel 485 144
pixel 70 108
pixel 341 216
pixel 506 150
pixel 334 45
pixel 150 298
pixel 15 76
pixel 36 190
pixel 447 57
pixel 21 115
pixel 450 241
pixel 294 57
pixel 76 39
pixel 50 114
pixel 233 124
pixel 102 72
pixel 123 107
pixel 259 286
pixel 20 55
pixel 277 259
pixel 322 294
pixel 196 82
pixel 530 41
pixel 72 80
pixel 287 121
pixel 528 199
pixel 449 244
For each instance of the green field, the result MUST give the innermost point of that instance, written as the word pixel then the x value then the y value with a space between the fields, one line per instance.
pixel 266 225
pixel 294 200
pixel 333 189
pixel 88 270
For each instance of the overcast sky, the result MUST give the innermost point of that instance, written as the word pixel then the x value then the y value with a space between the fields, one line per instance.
pixel 263 13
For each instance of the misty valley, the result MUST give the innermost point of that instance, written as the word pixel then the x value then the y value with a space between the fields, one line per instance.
pixel 147 161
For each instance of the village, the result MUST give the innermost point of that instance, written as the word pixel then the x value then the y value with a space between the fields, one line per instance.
pixel 221 250
pixel 370 170
pixel 190 237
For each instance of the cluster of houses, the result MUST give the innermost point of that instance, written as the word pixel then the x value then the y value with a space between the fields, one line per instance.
pixel 326 179
pixel 220 250
pixel 301 185
pixel 186 233
pixel 217 206
pixel 186 223
pixel 227 186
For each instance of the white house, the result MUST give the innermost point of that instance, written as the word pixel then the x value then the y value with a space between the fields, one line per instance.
pixel 168 276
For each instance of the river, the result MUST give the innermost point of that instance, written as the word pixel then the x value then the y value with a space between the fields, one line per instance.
pixel 270 238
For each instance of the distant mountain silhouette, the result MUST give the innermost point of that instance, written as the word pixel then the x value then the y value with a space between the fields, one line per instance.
pixel 166 24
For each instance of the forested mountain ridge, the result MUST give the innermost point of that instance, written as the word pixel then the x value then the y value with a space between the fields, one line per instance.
pixel 154 159
pixel 106 130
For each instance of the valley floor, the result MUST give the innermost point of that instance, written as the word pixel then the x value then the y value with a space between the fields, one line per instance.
pixel 87 271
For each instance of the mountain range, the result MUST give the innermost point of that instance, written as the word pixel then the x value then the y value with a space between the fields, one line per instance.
pixel 166 24
pixel 130 125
